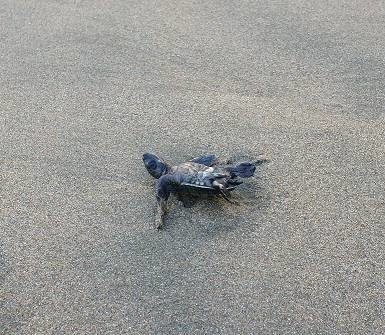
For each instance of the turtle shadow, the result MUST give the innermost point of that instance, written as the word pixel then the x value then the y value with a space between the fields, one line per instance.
pixel 212 215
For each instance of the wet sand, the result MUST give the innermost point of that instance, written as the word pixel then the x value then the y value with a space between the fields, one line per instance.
pixel 87 86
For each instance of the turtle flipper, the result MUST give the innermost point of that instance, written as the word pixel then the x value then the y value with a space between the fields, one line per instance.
pixel 208 160
pixel 234 181
pixel 161 211
pixel 245 169
pixel 163 190
pixel 223 191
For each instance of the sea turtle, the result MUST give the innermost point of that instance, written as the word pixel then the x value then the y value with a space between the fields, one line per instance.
pixel 200 175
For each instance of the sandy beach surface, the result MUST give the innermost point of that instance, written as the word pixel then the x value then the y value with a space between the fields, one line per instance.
pixel 86 87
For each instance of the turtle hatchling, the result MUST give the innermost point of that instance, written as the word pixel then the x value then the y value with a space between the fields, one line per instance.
pixel 201 175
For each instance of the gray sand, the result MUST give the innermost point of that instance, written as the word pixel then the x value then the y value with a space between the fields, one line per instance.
pixel 87 86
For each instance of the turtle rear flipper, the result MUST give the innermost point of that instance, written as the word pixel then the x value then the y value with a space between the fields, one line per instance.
pixel 208 160
pixel 223 191
pixel 234 181
pixel 243 170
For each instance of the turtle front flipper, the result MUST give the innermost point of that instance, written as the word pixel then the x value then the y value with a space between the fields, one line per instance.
pixel 161 211
pixel 163 191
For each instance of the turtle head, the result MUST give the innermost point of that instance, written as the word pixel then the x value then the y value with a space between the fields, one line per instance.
pixel 155 165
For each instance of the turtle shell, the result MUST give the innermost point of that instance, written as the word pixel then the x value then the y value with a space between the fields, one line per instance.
pixel 203 187
pixel 198 178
